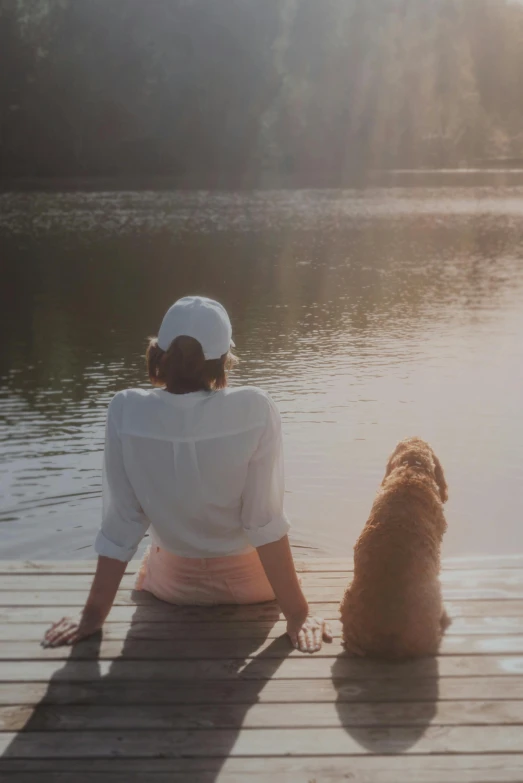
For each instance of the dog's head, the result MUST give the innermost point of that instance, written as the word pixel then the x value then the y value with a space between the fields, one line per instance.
pixel 416 453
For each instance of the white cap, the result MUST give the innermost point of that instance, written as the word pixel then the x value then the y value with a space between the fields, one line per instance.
pixel 203 319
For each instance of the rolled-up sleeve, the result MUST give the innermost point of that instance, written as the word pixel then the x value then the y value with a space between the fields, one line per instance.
pixel 263 517
pixel 124 523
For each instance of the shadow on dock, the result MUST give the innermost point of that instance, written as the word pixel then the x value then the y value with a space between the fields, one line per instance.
pixel 392 695
pixel 149 704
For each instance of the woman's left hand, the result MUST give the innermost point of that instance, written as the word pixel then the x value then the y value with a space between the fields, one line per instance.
pixel 70 630
pixel 308 636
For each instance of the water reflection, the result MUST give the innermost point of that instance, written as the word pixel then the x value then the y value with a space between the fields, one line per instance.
pixel 369 316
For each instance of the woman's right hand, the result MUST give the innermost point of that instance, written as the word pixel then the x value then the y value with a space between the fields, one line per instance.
pixel 69 630
pixel 105 584
pixel 307 635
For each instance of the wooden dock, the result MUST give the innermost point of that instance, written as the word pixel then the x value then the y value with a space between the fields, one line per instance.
pixel 202 695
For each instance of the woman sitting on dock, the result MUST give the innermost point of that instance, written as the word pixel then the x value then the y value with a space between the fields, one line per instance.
pixel 202 465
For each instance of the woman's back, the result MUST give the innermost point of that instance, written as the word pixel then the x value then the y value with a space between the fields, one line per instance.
pixel 205 469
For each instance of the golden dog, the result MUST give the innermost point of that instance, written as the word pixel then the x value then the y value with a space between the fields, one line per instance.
pixel 393 608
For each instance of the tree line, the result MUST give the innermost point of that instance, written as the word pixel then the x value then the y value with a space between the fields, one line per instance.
pixel 243 92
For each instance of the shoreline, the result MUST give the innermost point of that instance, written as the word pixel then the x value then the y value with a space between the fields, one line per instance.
pixel 383 178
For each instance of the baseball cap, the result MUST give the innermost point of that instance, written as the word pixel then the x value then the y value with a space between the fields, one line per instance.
pixel 203 319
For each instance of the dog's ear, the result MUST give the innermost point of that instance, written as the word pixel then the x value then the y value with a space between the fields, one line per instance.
pixel 440 480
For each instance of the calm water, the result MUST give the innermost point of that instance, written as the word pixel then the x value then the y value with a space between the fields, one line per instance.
pixel 369 316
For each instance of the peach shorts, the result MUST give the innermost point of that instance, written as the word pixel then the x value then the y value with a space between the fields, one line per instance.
pixel 235 579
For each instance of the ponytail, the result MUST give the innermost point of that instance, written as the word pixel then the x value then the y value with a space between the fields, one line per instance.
pixel 183 367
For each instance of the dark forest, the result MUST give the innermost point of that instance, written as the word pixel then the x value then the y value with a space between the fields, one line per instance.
pixel 246 93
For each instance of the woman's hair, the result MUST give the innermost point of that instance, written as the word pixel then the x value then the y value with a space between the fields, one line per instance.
pixel 183 367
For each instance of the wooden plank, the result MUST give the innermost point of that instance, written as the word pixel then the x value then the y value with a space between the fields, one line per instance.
pixel 261 742
pixel 166 650
pixel 161 612
pixel 481 561
pixel 172 629
pixel 315 594
pixel 185 647
pixel 473 768
pixel 39 567
pixel 260 668
pixel 88 567
pixel 313 564
pixel 495 579
pixel 69 598
pixel 481 645
pixel 164 630
pixel 112 691
pixel 259 716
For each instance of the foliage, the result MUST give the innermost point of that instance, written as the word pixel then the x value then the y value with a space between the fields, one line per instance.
pixel 242 92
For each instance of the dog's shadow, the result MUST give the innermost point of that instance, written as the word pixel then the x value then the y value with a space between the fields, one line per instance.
pixel 386 708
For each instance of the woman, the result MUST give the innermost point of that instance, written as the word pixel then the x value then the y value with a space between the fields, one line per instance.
pixel 202 465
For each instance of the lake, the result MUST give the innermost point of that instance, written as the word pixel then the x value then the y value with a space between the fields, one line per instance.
pixel 369 316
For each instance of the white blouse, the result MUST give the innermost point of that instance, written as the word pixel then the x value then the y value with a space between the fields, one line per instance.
pixel 204 470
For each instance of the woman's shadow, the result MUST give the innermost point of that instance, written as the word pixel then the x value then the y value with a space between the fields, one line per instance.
pixel 385 707
pixel 145 705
